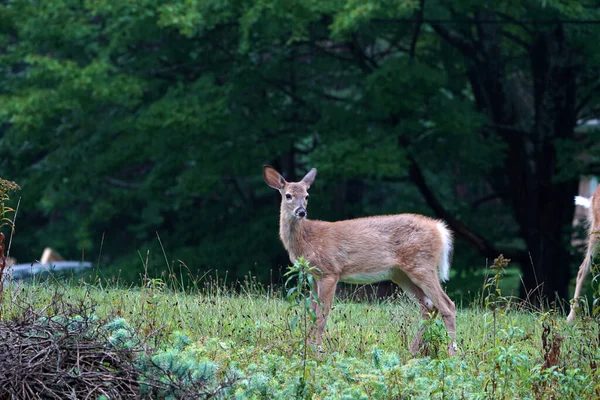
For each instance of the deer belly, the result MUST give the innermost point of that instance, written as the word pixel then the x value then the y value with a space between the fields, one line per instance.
pixel 368 277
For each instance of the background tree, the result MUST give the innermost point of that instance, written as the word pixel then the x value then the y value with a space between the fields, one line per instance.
pixel 127 119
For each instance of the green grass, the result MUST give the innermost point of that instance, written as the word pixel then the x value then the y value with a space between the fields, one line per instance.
pixel 365 351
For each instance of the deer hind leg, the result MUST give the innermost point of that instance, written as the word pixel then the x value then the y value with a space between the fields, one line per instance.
pixel 325 291
pixel 426 306
pixel 584 270
pixel 426 279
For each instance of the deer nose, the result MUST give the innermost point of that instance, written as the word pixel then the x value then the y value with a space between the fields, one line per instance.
pixel 301 212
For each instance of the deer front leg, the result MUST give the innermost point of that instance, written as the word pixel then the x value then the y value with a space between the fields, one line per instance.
pixel 325 291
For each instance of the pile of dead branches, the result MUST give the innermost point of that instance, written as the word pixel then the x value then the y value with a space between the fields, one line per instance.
pixel 63 354
pixel 62 351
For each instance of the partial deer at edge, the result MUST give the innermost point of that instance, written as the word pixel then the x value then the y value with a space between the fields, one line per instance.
pixel 411 250
pixel 593 203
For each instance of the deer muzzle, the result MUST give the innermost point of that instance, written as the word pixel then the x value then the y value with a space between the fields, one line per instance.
pixel 300 212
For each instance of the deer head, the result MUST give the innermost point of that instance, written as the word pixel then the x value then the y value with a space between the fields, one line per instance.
pixel 294 195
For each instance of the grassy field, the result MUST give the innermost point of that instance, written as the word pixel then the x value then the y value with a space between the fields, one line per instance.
pixel 255 350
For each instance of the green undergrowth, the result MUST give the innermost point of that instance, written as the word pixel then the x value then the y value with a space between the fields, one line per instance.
pixel 245 345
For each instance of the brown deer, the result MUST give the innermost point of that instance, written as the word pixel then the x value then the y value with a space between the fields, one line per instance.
pixel 593 204
pixel 411 250
pixel 50 256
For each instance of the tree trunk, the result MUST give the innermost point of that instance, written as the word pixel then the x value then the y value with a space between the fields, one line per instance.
pixel 547 276
pixel 547 217
pixel 543 207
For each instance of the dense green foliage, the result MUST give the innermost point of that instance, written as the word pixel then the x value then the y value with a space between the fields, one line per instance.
pixel 123 119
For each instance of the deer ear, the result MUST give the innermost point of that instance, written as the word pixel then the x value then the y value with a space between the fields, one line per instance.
pixel 309 178
pixel 273 178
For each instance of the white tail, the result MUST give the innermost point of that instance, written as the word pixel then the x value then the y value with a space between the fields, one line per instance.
pixel 582 201
pixel 411 250
pixel 444 265
pixel 593 204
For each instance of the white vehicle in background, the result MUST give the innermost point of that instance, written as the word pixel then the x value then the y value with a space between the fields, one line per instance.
pixel 50 261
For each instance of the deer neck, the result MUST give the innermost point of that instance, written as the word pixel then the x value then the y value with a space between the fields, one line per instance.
pixel 293 233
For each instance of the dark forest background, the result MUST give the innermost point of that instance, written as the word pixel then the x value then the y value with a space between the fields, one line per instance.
pixel 121 119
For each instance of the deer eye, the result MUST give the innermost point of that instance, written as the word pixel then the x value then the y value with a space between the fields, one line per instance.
pixel 288 196
pixel 306 198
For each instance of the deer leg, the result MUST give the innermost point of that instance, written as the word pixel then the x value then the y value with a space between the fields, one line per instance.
pixel 426 307
pixel 325 291
pixel 433 291
pixel 584 270
pixel 449 318
pixel 428 311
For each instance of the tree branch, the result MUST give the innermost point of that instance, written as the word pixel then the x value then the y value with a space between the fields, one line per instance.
pixel 516 40
pixel 455 40
pixel 122 184
pixel 477 241
pixel 493 196
pixel 579 107
pixel 413 43
pixel 365 63
pixel 281 87
pixel 521 24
